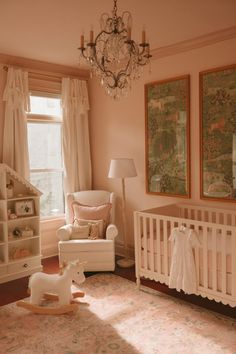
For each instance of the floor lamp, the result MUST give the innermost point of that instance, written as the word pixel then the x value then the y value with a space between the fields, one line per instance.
pixel 123 168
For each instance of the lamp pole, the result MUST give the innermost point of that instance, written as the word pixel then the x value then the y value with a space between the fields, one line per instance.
pixel 123 168
pixel 124 218
pixel 124 262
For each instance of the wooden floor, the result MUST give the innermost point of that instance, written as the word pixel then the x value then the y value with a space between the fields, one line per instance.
pixel 17 289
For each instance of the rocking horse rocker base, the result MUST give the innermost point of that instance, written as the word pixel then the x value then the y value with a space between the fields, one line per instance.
pixel 69 308
pixel 55 287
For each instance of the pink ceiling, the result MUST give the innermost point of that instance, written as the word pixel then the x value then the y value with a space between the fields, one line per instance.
pixel 49 30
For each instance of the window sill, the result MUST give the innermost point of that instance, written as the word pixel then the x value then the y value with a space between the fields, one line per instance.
pixel 49 219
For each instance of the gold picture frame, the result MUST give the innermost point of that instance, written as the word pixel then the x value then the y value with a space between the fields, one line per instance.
pixel 218 134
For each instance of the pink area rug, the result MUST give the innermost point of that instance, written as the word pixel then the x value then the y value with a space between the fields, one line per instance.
pixel 115 317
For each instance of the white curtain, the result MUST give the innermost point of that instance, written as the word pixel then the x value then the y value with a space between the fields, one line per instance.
pixel 76 145
pixel 15 143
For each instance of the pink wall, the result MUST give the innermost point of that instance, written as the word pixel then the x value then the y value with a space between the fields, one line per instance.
pixel 118 128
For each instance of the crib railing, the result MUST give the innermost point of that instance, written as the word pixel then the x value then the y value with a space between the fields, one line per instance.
pixel 153 251
pixel 213 215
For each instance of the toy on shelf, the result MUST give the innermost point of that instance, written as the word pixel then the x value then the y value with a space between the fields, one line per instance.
pixel 55 287
pixel 19 252
pixel 11 215
pixel 10 189
pixel 27 231
pixel 19 232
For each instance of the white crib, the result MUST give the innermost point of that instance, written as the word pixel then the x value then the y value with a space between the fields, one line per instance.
pixel 215 259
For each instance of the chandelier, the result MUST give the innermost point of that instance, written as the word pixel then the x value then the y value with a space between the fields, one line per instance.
pixel 114 57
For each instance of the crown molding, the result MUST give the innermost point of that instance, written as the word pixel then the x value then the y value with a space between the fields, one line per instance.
pixel 44 67
pixel 194 43
pixel 180 47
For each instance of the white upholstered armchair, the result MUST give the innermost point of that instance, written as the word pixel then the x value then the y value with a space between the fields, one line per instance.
pixel 93 238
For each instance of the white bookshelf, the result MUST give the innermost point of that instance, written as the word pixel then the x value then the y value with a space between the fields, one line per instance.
pixel 20 244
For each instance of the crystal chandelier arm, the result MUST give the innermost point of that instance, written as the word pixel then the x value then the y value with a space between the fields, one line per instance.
pixel 114 57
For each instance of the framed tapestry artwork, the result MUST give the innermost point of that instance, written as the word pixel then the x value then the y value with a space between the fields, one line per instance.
pixel 218 134
pixel 167 124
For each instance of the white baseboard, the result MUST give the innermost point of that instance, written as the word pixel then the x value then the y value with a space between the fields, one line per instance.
pixel 49 250
pixel 119 250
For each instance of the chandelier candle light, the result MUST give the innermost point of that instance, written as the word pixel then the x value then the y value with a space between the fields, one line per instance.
pixel 113 56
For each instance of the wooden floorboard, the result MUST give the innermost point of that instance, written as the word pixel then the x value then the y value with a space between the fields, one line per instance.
pixel 17 289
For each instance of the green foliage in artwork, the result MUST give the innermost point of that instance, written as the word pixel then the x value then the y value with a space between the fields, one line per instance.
pixel 166 128
pixel 219 126
pixel 172 173
pixel 213 147
pixel 166 89
pixel 152 123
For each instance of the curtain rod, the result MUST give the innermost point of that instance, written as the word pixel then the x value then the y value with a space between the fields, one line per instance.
pixel 48 74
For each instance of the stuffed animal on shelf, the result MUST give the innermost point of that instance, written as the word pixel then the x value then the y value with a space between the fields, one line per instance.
pixel 55 287
pixel 17 253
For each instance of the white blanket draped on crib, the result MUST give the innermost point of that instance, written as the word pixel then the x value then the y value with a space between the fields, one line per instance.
pixel 183 274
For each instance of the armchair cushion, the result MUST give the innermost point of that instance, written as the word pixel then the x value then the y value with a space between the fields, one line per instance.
pixel 80 232
pixel 87 212
pixel 94 224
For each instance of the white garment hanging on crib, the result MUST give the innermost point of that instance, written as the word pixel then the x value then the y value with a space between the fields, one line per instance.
pixel 183 270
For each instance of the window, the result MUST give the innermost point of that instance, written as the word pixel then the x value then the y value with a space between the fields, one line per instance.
pixel 45 152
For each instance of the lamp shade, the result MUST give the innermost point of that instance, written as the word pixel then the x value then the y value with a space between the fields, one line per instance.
pixel 122 168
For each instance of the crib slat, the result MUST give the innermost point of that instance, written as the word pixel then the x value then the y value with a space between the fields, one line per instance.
pixel 210 216
pixel 214 257
pixel 145 242
pixel 189 213
pixel 233 262
pixel 137 238
pixel 201 215
pixel 171 245
pixel 224 218
pixel 223 259
pixel 205 260
pixel 158 226
pixel 165 248
pixel 197 263
pixel 151 245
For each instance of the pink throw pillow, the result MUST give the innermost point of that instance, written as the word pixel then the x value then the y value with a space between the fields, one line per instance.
pixel 100 212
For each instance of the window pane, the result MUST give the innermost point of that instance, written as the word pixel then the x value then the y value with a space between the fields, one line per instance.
pixel 44 141
pixel 51 185
pixel 45 105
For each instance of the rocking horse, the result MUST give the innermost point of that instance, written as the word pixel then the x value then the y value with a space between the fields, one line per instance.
pixel 55 287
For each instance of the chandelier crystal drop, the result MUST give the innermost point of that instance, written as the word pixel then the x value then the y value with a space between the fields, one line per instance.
pixel 114 57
